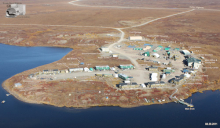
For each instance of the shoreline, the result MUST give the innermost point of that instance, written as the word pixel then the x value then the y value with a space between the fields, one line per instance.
pixel 23 99
pixel 90 106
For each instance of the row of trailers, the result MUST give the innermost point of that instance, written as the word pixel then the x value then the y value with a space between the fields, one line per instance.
pixel 70 70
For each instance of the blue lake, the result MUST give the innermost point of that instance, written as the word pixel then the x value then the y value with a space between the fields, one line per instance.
pixel 17 114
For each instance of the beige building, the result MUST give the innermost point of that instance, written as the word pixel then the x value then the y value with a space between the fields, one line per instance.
pixel 135 38
pixel 128 85
pixel 153 69
pixel 104 49
pixel 156 84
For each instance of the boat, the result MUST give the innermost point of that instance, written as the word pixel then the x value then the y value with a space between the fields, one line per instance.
pixel 8 94
pixel 3 102
pixel 191 105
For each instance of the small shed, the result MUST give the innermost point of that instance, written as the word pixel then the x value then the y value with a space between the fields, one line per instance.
pixel 91 69
pixel 18 85
pixel 81 63
pixel 147 54
pixel 167 48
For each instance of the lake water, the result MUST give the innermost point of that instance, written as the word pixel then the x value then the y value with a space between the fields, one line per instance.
pixel 17 114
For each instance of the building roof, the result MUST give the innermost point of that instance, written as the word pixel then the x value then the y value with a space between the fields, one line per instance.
pixel 185 70
pixel 185 52
pixel 154 67
pixel 123 75
pixel 123 84
pixel 18 84
pixel 126 65
pixel 55 70
pixel 129 46
pixel 161 82
pixel 135 37
pixel 194 60
pixel 102 66
pixel 155 54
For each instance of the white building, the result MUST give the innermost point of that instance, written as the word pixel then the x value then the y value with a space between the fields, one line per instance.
pixel 196 65
pixel 143 85
pixel 156 55
pixel 135 38
pixel 154 76
pixel 104 49
pixel 16 9
pixel 115 55
pixel 116 75
pixel 75 69
pixel 86 69
pixel 186 52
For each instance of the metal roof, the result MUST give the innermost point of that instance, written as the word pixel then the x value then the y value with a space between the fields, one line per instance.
pixel 193 60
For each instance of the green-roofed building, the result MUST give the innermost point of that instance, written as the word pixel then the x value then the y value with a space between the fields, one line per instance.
pixel 123 76
pixel 102 67
pixel 158 48
pixel 126 66
pixel 147 54
pixel 167 48
pixel 168 70
pixel 91 69
pixel 137 48
pixel 191 61
pixel 177 49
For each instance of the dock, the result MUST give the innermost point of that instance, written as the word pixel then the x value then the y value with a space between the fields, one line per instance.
pixel 185 103
pixel 181 101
